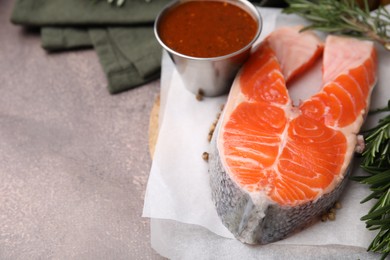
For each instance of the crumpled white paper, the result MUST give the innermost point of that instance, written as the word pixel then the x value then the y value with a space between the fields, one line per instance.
pixel 178 187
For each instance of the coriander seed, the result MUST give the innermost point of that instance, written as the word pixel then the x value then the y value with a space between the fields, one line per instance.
pixel 205 156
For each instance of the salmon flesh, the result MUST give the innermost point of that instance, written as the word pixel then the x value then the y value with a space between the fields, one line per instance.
pixel 275 167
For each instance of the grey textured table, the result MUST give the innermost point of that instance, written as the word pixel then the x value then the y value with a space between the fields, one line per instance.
pixel 74 159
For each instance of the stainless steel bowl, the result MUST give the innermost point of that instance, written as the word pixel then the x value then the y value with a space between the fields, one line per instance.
pixel 210 76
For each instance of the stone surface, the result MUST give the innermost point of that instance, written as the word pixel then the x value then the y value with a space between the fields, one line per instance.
pixel 74 160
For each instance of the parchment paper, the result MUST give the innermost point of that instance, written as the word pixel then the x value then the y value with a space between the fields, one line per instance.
pixel 178 191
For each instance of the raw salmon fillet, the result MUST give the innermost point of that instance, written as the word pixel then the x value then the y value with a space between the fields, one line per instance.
pixel 274 167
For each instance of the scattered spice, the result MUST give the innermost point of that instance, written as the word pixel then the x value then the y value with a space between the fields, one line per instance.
pixel 218 116
pixel 337 205
pixel 205 156
pixel 200 95
pixel 331 213
pixel 209 137
pixel 331 216
pixel 214 125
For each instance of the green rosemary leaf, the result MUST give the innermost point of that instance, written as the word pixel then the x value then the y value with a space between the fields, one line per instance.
pixel 380 187
pixel 378 222
pixel 384 256
pixel 376 213
pixel 373 169
pixel 380 243
pixel 384 109
pixel 373 228
pixel 373 195
pixel 380 178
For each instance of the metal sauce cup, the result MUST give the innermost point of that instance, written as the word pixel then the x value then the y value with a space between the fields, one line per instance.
pixel 210 76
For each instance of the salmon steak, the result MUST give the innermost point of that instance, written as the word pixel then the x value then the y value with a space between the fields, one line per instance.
pixel 275 167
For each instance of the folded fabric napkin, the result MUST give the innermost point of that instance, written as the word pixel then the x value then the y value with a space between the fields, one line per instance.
pixel 122 36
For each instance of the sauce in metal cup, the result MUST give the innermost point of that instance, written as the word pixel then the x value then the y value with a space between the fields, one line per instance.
pixel 208 40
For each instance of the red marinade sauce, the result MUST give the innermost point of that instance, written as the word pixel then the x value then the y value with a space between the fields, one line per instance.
pixel 206 29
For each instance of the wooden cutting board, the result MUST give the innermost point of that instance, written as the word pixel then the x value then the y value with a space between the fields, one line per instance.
pixel 153 125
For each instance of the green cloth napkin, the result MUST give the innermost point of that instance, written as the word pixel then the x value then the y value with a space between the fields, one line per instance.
pixel 65 38
pixel 122 36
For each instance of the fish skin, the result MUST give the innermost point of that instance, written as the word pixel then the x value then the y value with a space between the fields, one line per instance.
pixel 249 222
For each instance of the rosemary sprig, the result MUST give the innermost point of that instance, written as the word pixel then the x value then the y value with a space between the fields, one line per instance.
pixel 376 162
pixel 377 151
pixel 344 17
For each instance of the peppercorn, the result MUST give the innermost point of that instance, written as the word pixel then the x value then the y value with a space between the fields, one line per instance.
pixel 337 205
pixel 205 156
pixel 200 95
pixel 331 216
